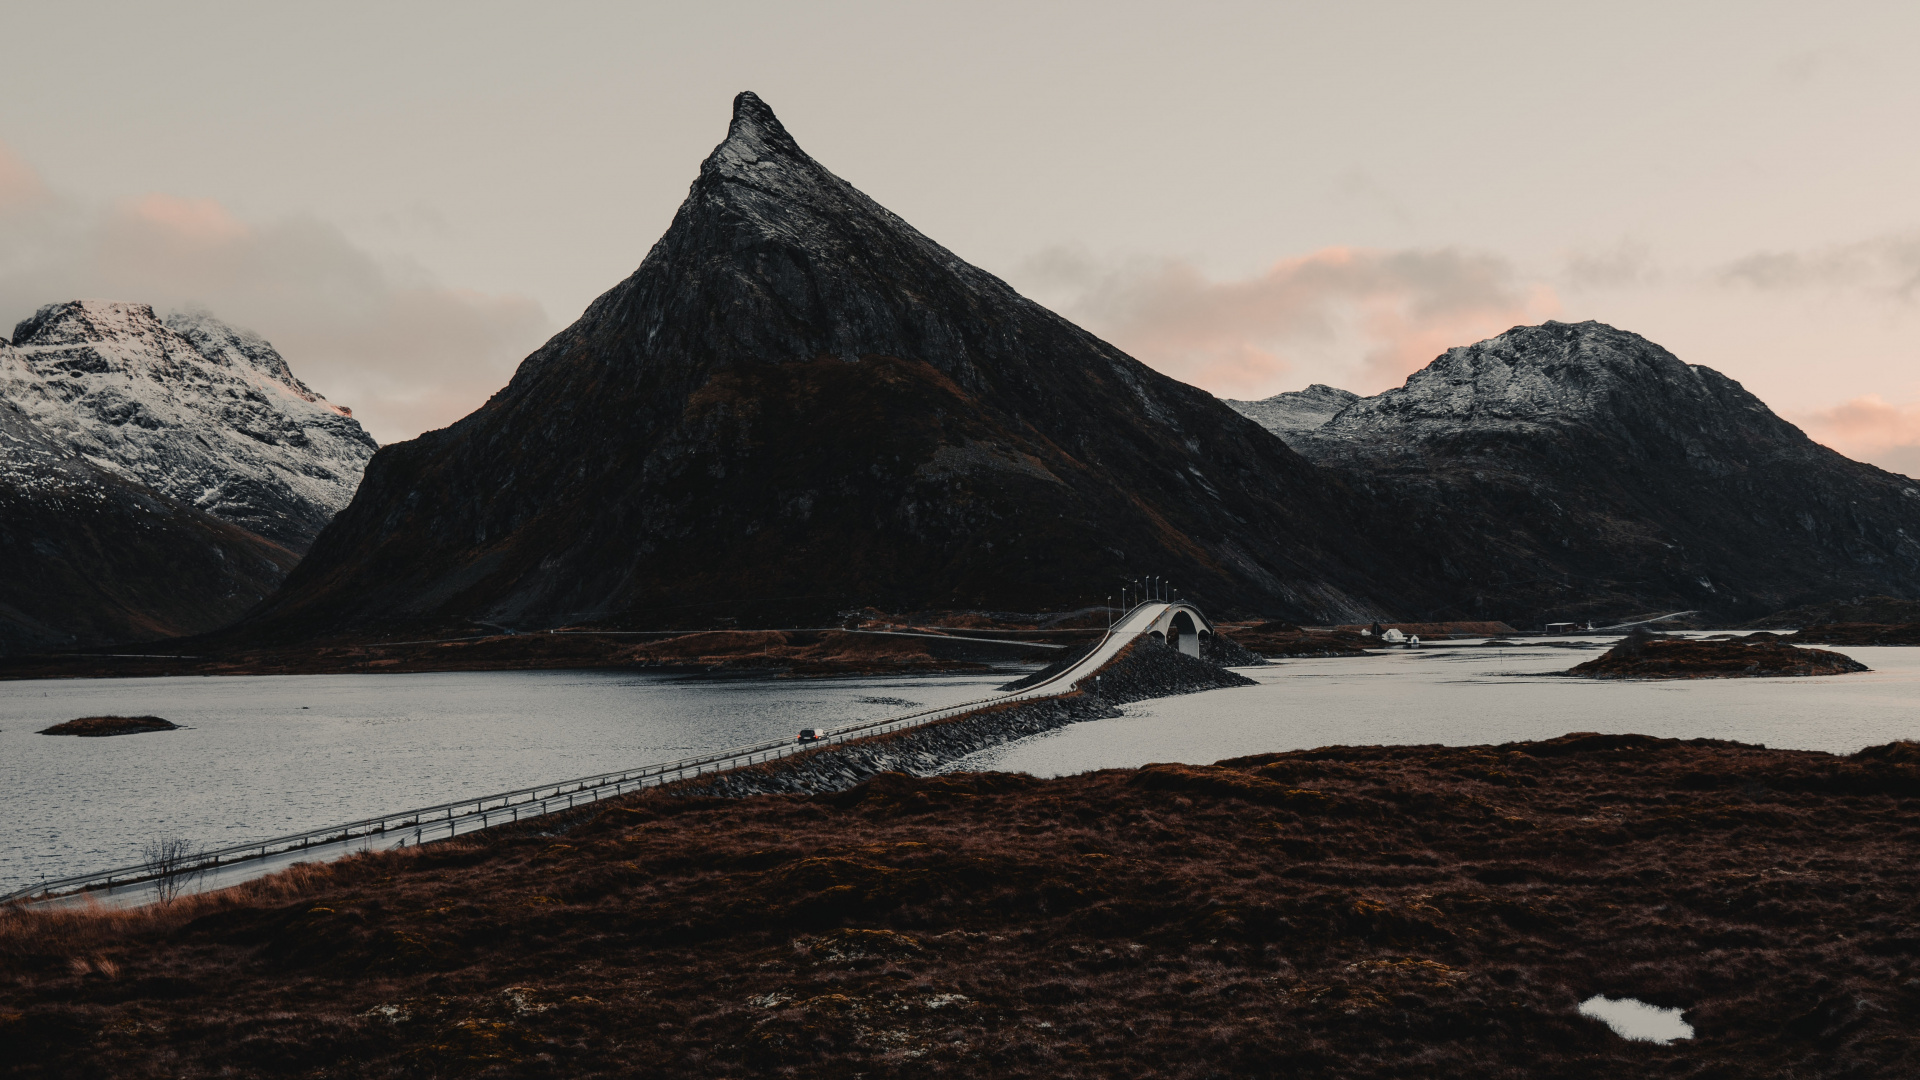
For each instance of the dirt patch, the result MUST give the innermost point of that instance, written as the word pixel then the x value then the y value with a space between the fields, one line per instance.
pixel 1640 655
pixel 94 727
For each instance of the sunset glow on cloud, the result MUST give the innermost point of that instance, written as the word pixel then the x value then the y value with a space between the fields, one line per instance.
pixel 194 221
pixel 20 186
pixel 404 352
pixel 1360 319
pixel 1869 429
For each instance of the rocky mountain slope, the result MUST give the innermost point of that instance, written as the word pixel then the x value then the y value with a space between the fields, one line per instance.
pixel 196 410
pixel 155 480
pixel 1572 471
pixel 797 404
pixel 1297 410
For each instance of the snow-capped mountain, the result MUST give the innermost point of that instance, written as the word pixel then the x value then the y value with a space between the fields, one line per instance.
pixel 191 408
pixel 155 479
pixel 1296 410
pixel 1576 470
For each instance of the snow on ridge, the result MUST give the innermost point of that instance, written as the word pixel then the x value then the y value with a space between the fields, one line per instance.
pixel 1295 412
pixel 192 408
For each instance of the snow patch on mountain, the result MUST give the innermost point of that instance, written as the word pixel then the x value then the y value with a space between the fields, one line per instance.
pixel 191 408
pixel 1531 378
pixel 1539 377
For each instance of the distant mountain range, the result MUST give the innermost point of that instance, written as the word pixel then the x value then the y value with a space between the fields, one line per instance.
pixel 799 405
pixel 1575 470
pixel 156 478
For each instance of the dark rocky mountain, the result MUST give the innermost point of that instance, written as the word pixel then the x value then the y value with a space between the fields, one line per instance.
pixel 797 404
pixel 155 479
pixel 1574 471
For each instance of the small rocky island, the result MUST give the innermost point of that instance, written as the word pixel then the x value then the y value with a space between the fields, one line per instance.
pixel 1642 655
pixel 94 727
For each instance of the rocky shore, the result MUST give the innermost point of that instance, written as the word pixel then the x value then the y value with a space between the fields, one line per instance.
pixel 1144 670
pixel 795 653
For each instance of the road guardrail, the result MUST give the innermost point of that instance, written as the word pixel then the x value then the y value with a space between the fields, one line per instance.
pixel 446 819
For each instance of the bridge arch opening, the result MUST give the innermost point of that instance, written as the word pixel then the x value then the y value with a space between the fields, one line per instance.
pixel 1182 634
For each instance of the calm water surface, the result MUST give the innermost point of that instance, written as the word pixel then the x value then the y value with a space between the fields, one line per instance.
pixel 269 755
pixel 263 756
pixel 1473 695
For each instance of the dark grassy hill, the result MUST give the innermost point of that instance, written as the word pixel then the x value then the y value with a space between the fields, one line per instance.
pixel 1346 912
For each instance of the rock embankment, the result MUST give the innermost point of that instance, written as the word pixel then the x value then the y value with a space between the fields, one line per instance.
pixel 1146 669
pixel 1223 650
pixel 94 727
pixel 1640 655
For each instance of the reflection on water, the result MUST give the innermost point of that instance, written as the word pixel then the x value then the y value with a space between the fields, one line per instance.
pixel 1474 695
pixel 264 756
pixel 1633 1019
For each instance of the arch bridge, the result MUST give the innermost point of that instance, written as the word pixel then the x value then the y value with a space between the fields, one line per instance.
pixel 1182 626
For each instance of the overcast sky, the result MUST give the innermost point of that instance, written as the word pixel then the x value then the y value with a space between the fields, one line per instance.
pixel 408 198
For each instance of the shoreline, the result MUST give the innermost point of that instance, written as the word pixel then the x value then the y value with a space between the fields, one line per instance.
pixel 821 653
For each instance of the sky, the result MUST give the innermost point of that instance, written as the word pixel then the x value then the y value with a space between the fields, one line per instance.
pixel 407 198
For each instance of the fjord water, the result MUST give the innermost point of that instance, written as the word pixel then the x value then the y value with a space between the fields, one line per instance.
pixel 265 756
pixel 1478 694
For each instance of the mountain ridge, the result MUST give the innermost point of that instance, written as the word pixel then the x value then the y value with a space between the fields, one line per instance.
pixel 1593 472
pixel 797 395
pixel 196 410
pixel 155 481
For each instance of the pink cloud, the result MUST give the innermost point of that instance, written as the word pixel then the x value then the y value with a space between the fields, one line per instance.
pixel 1360 318
pixel 202 221
pixel 403 351
pixel 20 185
pixel 1868 428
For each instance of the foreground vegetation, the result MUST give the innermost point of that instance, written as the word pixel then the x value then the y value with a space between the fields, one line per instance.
pixel 1346 912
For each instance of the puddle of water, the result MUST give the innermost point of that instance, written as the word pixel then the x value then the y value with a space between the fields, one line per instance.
pixel 1633 1019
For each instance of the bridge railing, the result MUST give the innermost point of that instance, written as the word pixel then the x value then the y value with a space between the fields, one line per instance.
pixel 432 822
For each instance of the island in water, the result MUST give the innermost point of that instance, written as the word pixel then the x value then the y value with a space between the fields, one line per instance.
pixel 1643 655
pixel 96 727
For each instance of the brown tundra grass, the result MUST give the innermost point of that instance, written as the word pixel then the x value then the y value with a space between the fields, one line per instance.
pixel 1346 912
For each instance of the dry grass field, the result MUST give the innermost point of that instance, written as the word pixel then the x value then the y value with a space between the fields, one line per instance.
pixel 1347 912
